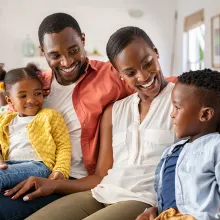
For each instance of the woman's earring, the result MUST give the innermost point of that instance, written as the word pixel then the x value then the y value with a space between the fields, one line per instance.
pixel 122 78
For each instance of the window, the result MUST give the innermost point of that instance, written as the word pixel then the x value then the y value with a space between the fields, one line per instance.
pixel 193 42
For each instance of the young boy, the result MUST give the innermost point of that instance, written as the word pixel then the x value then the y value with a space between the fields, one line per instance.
pixel 188 175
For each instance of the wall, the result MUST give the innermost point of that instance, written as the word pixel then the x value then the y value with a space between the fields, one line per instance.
pixel 98 19
pixel 185 8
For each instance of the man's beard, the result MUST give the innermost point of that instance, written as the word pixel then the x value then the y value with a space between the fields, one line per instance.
pixel 81 71
pixel 63 81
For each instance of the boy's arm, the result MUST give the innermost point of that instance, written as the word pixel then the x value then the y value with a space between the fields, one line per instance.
pixel 63 147
pixel 216 156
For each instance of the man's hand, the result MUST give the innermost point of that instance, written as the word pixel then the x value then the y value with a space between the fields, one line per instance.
pixel 56 175
pixel 149 214
pixel 42 186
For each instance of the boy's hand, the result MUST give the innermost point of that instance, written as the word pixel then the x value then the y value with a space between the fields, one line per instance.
pixel 149 214
pixel 56 175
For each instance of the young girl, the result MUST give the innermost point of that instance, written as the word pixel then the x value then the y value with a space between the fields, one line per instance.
pixel 34 141
pixel 188 175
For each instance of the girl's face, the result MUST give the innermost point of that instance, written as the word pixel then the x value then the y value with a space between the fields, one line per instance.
pixel 26 97
pixel 138 65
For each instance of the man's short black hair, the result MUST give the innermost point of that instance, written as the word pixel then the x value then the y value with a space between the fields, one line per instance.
pixel 207 85
pixel 55 23
pixel 122 37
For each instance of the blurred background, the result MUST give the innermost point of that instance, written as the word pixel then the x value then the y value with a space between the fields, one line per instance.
pixel 186 32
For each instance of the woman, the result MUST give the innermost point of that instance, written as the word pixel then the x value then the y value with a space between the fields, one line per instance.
pixel 137 128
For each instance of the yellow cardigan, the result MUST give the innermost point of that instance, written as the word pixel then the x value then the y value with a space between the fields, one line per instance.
pixel 47 134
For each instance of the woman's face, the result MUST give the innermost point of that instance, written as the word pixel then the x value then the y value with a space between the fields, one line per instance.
pixel 138 65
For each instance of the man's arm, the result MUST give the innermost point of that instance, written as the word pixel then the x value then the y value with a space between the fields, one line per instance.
pixel 45 187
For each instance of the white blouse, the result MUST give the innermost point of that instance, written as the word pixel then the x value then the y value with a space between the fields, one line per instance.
pixel 137 148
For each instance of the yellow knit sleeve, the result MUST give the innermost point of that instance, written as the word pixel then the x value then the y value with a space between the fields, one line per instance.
pixel 61 138
pixel 5 119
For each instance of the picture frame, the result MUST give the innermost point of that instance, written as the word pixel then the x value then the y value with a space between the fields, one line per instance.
pixel 215 39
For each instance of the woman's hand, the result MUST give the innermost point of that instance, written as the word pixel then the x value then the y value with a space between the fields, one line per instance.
pixel 149 214
pixel 42 186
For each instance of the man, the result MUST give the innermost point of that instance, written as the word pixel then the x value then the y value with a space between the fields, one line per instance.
pixel 80 89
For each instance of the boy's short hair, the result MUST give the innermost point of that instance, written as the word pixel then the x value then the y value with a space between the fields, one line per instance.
pixel 207 86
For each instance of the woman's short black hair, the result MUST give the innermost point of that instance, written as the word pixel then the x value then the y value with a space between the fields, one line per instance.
pixel 122 37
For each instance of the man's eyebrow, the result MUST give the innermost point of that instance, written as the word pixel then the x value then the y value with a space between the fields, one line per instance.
pixel 56 52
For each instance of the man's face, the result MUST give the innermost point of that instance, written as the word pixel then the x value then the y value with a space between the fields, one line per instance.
pixel 65 54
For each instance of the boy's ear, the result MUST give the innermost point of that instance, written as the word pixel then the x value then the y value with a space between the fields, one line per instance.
pixel 206 114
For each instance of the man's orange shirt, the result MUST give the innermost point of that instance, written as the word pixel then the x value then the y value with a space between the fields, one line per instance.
pixel 98 87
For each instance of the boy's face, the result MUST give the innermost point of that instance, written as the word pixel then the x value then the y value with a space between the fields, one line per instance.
pixel 26 97
pixel 186 111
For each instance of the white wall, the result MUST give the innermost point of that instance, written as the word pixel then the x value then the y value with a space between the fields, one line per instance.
pixel 185 8
pixel 98 19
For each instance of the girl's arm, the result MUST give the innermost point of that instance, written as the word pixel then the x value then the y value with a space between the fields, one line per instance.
pixel 61 139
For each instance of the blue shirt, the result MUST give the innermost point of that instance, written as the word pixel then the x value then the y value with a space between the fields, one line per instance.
pixel 197 178
pixel 168 182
